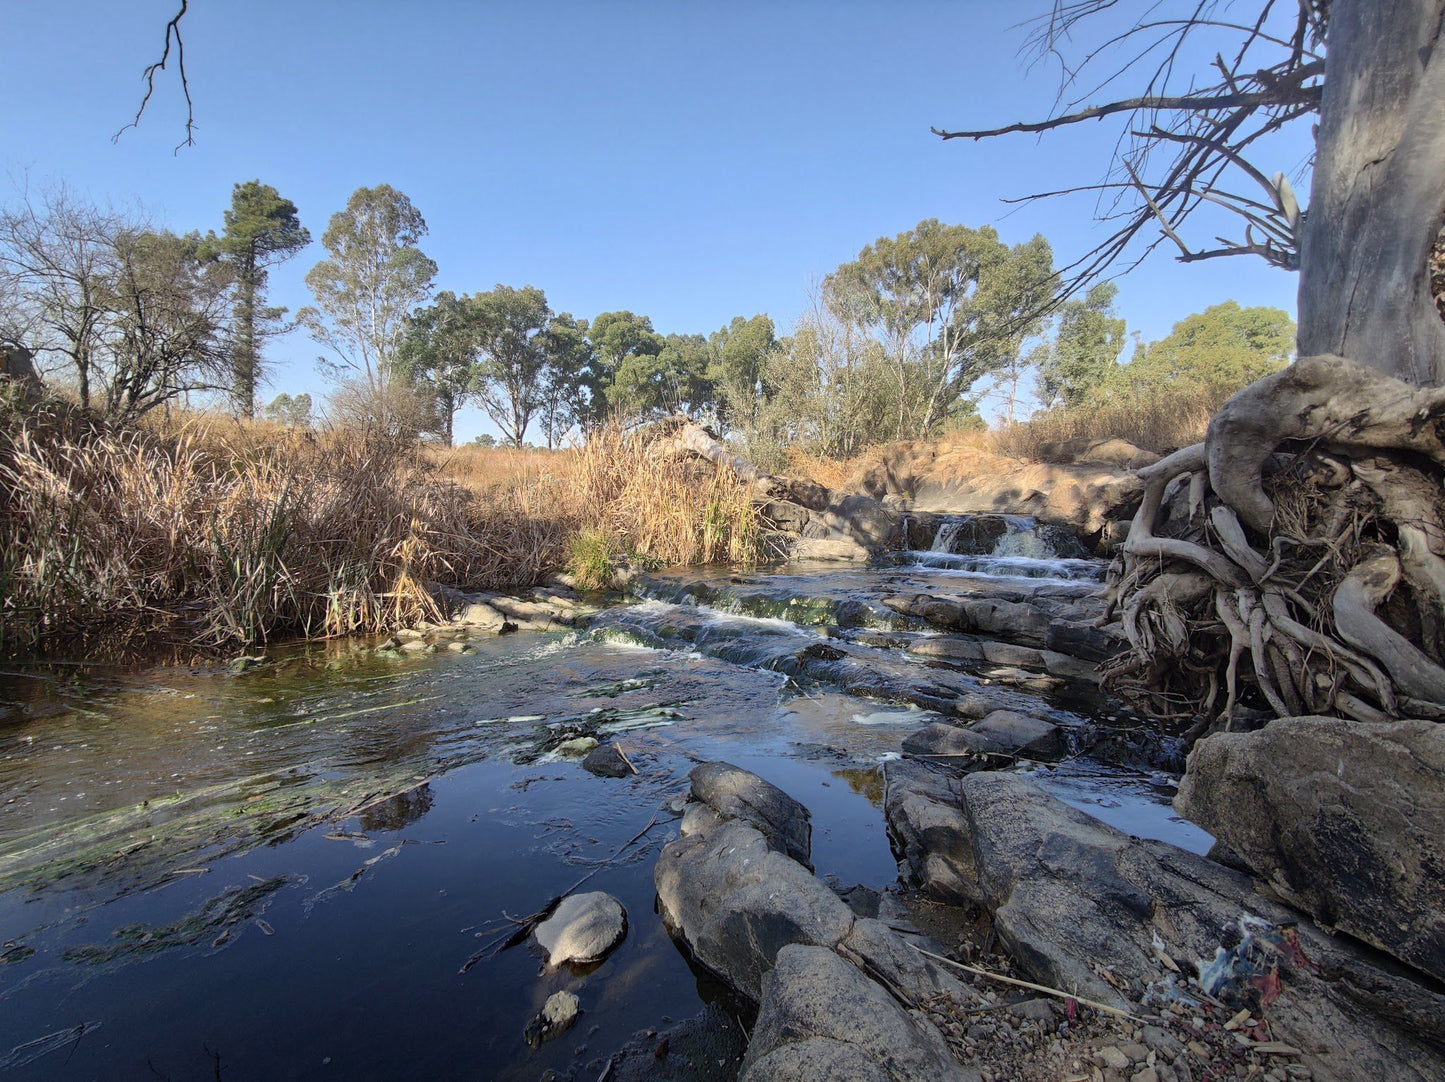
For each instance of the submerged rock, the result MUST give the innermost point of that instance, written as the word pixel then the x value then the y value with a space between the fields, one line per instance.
pixel 1344 819
pixel 576 747
pixel 556 1017
pixel 583 928
pixel 820 1018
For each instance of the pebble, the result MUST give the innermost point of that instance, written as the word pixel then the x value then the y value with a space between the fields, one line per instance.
pixel 1111 1057
pixel 1148 1074
pixel 1137 1053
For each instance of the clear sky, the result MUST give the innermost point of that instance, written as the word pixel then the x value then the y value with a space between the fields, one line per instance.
pixel 688 161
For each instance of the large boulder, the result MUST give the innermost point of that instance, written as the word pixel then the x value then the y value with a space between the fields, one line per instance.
pixel 1344 819
pixel 1087 909
pixel 956 477
pixel 736 901
pixel 734 793
pixel 820 1018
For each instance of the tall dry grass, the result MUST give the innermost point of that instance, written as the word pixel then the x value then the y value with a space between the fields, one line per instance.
pixel 208 533
pixel 1159 422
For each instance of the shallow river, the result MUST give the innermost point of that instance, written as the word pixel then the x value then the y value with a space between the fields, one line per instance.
pixel 284 874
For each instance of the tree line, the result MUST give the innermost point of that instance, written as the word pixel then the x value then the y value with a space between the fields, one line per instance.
pixel 899 343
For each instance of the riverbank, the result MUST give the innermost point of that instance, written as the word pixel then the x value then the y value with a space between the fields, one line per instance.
pixel 208 535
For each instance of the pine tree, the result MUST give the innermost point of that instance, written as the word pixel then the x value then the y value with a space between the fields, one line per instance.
pixel 262 230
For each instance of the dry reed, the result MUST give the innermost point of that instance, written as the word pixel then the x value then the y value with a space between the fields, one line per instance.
pixel 208 534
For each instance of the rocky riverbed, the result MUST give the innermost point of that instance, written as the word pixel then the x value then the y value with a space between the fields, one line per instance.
pixel 792 803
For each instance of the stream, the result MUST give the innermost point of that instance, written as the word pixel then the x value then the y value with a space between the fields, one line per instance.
pixel 285 873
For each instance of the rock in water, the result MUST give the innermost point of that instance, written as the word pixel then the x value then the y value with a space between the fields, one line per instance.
pixel 607 762
pixel 558 1014
pixel 1344 819
pixel 821 1018
pixel 583 928
pixel 736 794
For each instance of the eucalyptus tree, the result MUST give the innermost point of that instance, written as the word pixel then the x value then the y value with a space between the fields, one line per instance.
pixel 1085 349
pixel 440 351
pixel 567 385
pixel 1224 347
pixel 509 325
pixel 735 368
pixel 947 304
pixel 373 279
pixel 261 231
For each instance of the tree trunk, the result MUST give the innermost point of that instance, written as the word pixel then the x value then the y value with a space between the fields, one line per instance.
pixel 1301 549
pixel 1378 196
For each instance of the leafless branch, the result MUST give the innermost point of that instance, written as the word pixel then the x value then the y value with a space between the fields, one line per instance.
pixel 173 31
pixel 1184 132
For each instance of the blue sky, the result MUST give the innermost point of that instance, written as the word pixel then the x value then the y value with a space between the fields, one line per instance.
pixel 688 161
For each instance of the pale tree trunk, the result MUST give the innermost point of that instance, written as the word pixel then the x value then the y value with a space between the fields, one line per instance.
pixel 1378 196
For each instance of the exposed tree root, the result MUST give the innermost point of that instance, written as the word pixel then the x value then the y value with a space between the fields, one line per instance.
pixel 1295 560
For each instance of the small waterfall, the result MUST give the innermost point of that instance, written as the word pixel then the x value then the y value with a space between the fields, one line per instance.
pixel 947 533
pixel 1024 539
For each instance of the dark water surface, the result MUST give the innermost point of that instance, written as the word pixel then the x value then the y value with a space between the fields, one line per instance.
pixel 281 874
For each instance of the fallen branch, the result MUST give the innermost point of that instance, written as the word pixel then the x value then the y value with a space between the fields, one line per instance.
pixel 1058 993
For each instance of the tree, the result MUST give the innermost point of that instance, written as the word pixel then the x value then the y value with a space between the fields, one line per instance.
pixel 620 338
pixel 261 231
pixel 486 439
pixel 59 257
pixel 735 370
pixel 509 324
pixel 167 307
pixel 1312 581
pixel 1224 347
pixel 376 275
pixel 1085 350
pixel 134 316
pixel 294 411
pixel 440 350
pixel 567 376
pixel 948 304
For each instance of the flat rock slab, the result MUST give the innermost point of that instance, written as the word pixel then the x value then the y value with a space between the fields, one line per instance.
pixel 1344 819
pixel 1000 734
pixel 583 928
pixel 735 793
pixel 820 1018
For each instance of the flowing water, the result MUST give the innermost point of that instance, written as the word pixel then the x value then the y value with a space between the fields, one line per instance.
pixel 285 873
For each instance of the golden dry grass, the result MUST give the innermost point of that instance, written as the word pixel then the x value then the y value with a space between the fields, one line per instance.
pixel 1156 422
pixel 210 533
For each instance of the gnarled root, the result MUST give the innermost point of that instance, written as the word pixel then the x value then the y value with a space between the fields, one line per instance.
pixel 1296 558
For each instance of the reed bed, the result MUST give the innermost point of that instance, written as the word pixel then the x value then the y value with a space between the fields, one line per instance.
pixel 208 534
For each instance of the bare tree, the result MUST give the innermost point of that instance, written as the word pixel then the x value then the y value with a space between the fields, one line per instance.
pixel 1304 541
pixel 131 316
pixel 59 258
